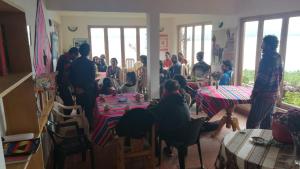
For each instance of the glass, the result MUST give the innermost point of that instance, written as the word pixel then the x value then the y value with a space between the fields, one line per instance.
pixel 292 68
pixel 143 41
pixel 130 43
pixel 197 41
pixel 207 43
pixel 97 41
pixel 182 39
pixel 114 44
pixel 249 52
pixel 273 27
pixel 189 43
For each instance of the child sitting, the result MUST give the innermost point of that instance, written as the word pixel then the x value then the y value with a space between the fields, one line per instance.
pixel 107 87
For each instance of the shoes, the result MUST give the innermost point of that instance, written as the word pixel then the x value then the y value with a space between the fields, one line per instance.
pixel 210 126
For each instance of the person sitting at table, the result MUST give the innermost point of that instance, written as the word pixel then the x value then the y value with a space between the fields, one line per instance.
pixel 142 74
pixel 171 113
pixel 175 69
pixel 167 62
pixel 227 71
pixel 200 69
pixel 102 67
pixel 163 74
pixel 185 90
pixel 107 87
pixel 113 71
pixel 184 64
pixel 181 58
pixel 130 85
pixel 266 86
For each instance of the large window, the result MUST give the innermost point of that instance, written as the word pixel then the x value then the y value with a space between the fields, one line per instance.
pixel 119 42
pixel 286 28
pixel 193 39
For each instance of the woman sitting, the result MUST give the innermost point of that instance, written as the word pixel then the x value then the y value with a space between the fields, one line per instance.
pixel 113 71
pixel 130 85
pixel 107 87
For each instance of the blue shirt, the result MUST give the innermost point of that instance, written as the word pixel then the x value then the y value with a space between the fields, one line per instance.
pixel 226 78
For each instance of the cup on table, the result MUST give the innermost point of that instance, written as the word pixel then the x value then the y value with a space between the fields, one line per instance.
pixel 138 97
pixel 106 108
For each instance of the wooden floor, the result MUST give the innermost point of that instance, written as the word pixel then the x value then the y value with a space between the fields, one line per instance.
pixel 210 147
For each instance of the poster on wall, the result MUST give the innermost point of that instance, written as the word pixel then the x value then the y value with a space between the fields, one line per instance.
pixel 79 41
pixel 42 52
pixel 224 46
pixel 164 43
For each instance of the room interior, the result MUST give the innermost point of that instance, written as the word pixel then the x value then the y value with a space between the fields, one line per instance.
pixel 144 27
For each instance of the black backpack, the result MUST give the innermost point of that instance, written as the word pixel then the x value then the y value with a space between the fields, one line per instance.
pixel 135 123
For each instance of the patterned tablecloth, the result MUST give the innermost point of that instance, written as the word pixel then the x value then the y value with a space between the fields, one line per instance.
pixel 104 122
pixel 212 100
pixel 238 152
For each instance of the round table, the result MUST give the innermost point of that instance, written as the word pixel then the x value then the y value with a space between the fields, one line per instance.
pixel 212 100
pixel 238 152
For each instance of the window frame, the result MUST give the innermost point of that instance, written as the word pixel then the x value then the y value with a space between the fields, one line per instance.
pixel 105 27
pixel 193 25
pixel 282 46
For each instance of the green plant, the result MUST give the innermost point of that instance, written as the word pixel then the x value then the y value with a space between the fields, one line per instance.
pixel 292 98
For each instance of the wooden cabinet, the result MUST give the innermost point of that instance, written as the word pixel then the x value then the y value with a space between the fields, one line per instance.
pixel 17 96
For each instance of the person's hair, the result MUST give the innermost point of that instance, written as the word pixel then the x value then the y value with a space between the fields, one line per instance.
pixel 171 86
pixel 201 55
pixel 84 49
pixel 73 51
pixel 143 58
pixel 95 58
pixel 271 41
pixel 107 83
pixel 168 53
pixel 131 77
pixel 228 64
pixel 115 59
pixel 181 80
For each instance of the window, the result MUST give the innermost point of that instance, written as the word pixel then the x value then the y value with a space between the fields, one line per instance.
pixel 190 42
pixel 114 44
pixel 288 34
pixel 119 42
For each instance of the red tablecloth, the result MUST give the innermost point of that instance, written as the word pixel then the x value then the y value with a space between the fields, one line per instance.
pixel 212 100
pixel 100 75
pixel 104 122
pixel 197 84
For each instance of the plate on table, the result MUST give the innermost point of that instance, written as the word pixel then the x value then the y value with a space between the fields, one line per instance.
pixel 259 141
pixel 122 99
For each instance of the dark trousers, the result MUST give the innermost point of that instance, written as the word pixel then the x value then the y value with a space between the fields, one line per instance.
pixel 260 115
pixel 66 96
pixel 87 101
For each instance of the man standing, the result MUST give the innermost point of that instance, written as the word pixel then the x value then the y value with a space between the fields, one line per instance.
pixel 200 69
pixel 62 78
pixel 82 77
pixel 266 85
pixel 175 69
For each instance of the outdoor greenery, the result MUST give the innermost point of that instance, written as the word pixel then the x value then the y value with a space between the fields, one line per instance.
pixel 291 79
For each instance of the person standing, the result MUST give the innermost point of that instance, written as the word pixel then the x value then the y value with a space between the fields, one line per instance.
pixel 200 69
pixel 142 74
pixel 62 78
pixel 266 85
pixel 82 77
pixel 167 61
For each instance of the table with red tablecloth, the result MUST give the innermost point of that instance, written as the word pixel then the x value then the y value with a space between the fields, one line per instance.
pixel 212 100
pixel 105 121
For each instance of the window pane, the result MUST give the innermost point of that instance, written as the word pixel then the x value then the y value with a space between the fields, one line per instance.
pixel 292 68
pixel 143 41
pixel 114 44
pixel 182 39
pixel 189 45
pixel 98 42
pixel 207 43
pixel 130 43
pixel 249 54
pixel 273 27
pixel 197 43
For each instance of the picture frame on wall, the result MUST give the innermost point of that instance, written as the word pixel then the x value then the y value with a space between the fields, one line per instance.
pixel 164 43
pixel 79 41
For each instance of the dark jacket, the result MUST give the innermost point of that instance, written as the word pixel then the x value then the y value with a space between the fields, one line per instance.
pixel 171 113
pixel 175 69
pixel 82 73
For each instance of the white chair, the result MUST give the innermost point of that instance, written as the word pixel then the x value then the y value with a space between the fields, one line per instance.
pixel 77 114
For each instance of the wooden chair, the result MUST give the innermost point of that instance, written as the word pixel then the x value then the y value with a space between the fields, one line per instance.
pixel 186 137
pixel 68 145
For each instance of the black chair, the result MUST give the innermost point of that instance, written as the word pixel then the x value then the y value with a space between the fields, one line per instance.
pixel 186 137
pixel 68 145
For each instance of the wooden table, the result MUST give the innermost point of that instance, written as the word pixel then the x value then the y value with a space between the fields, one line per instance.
pixel 212 101
pixel 238 152
pixel 107 120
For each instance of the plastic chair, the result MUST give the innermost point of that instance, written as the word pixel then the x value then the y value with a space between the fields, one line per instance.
pixel 68 145
pixel 186 137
